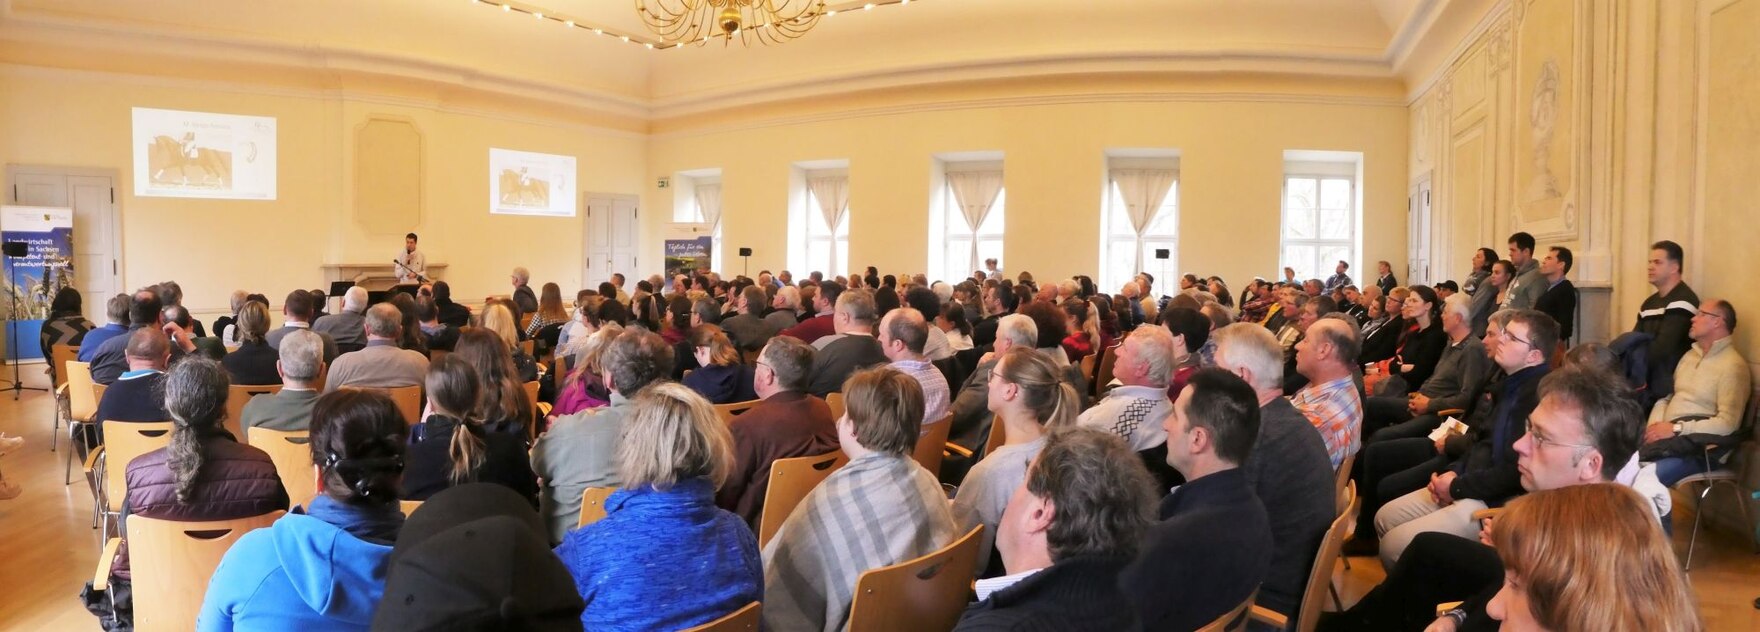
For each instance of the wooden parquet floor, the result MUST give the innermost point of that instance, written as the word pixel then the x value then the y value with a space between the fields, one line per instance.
pixel 48 547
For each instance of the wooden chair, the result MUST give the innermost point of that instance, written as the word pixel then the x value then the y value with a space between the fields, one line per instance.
pixel 408 506
pixel 292 453
pixel 59 356
pixel 747 619
pixel 409 402
pixel 927 593
pixel 729 411
pixel 525 322
pixel 1235 620
pixel 1090 363
pixel 108 463
pixel 171 563
pixel 790 482
pixel 526 346
pixel 83 396
pixel 539 409
pixel 1108 358
pixel 434 355
pixel 932 445
pixel 994 440
pixel 1319 577
pixel 835 401
pixel 593 505
pixel 236 397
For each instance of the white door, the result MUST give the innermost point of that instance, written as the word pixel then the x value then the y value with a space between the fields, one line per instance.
pixel 612 230
pixel 1418 238
pixel 97 241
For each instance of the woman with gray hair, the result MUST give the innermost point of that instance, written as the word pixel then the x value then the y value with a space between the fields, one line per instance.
pixel 204 474
pixel 698 562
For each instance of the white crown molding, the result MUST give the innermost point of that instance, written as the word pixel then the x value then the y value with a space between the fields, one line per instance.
pixel 1416 90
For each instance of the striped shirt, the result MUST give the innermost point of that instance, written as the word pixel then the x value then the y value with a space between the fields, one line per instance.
pixel 937 397
pixel 1336 410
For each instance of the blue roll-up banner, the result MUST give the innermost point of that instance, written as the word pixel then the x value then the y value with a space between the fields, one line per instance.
pixel 33 279
pixel 688 247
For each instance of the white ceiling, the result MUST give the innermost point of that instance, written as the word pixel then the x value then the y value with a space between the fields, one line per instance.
pixel 926 41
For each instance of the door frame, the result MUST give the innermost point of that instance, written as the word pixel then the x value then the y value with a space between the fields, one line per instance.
pixel 587 198
pixel 117 260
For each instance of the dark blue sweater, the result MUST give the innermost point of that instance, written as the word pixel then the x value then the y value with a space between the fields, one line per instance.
pixel 1211 550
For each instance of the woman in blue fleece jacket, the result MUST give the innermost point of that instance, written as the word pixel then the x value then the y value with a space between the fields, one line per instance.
pixel 323 569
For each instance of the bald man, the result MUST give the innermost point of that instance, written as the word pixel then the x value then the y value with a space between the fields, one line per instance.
pixel 904 335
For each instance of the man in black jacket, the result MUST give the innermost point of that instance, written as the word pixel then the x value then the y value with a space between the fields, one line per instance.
pixel 1667 315
pixel 1212 548
pixel 1560 299
pixel 855 348
pixel 1069 529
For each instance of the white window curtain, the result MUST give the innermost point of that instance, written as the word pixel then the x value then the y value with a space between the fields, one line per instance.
pixel 975 192
pixel 833 196
pixel 1142 191
pixel 709 203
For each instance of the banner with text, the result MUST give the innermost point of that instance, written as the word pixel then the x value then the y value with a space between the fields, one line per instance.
pixel 687 248
pixel 32 280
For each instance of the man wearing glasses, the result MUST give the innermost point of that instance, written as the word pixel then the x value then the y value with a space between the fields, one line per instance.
pixel 1481 473
pixel 788 423
pixel 1711 387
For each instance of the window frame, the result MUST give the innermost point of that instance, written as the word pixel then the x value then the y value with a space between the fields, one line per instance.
pixel 1353 231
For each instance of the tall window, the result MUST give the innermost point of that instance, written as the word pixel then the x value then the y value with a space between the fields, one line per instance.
pixel 1319 224
pixel 706 205
pixel 969 228
pixel 1132 195
pixel 827 245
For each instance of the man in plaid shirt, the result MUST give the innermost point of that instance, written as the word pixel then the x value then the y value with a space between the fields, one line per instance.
pixel 1330 400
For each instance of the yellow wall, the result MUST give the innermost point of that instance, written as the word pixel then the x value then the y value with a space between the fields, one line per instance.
pixel 70 118
pixel 1231 162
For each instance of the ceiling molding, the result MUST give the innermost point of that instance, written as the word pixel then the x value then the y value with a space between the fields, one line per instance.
pixel 1417 88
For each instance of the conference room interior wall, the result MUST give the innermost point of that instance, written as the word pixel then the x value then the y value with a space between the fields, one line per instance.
pixel 1054 156
pixel 79 119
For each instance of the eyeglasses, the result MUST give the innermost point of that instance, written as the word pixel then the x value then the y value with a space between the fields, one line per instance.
pixel 1509 336
pixel 1540 441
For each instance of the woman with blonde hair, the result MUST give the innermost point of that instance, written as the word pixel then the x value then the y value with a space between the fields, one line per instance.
pixel 454 448
pixel 1029 400
pixel 719 376
pixel 1084 329
pixel 501 320
pixel 1588 558
pixel 253 362
pixel 698 561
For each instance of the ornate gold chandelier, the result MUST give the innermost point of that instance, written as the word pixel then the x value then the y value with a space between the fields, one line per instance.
pixel 698 21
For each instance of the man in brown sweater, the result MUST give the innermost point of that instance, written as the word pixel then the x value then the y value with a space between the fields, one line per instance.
pixel 787 423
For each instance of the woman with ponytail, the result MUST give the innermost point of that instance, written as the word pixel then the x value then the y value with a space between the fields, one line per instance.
pixel 455 448
pixel 503 406
pixel 204 474
pixel 1029 400
pixel 322 568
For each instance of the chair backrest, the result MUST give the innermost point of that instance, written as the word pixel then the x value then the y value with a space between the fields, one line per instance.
pixel 526 346
pixel 593 505
pixel 790 482
pixel 1089 363
pixel 1108 358
pixel 409 506
pixel 123 441
pixel 1342 477
pixel 409 402
pixel 746 619
pixel 729 411
pixel 59 356
pixel 292 453
pixel 82 393
pixel 997 436
pixel 532 396
pixel 434 355
pixel 237 396
pixel 1320 576
pixel 1235 620
pixel 835 401
pixel 931 443
pixel 172 562
pixel 927 593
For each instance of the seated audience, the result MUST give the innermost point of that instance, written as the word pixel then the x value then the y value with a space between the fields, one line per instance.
pixel 454 448
pixel 821 324
pixel 1485 473
pixel 579 450
pixel 1050 322
pixel 999 300
pixel 1380 339
pixel 139 393
pixel 223 324
pixel 881 508
pixel 116 314
pixel 1135 409
pixel 144 312
pixel 1558 574
pixel 1074 521
pixel 1028 397
pixel 788 423
pixel 253 362
pixel 748 330
pixel 504 406
pixel 584 387
pixel 698 562
pixel 299 364
pixel 953 323
pixel 1419 348
pixel 476 558
pixel 549 311
pixel 451 313
pixel 1190 329
pixel 720 376
pixel 1331 400
pixel 204 474
pixel 783 308
pixel 1288 468
pixel 1213 529
pixel 971 407
pixel 501 320
pixel 66 325
pixel 523 297
pixel 381 364
pixel 927 303
pixel 904 336
pixel 1461 372
pixel 346 327
pixel 853 347
pixel 438 336
pixel 1711 389
pixel 1084 329
pixel 410 325
pixel 296 313
pixel 323 569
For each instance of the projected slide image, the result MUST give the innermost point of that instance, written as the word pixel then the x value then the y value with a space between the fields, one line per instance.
pixel 526 183
pixel 198 154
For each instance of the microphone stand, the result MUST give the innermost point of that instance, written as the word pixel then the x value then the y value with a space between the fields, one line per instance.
pixel 419 278
pixel 17 379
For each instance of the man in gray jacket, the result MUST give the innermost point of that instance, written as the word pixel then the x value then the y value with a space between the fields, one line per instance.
pixel 1529 284
pixel 345 327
